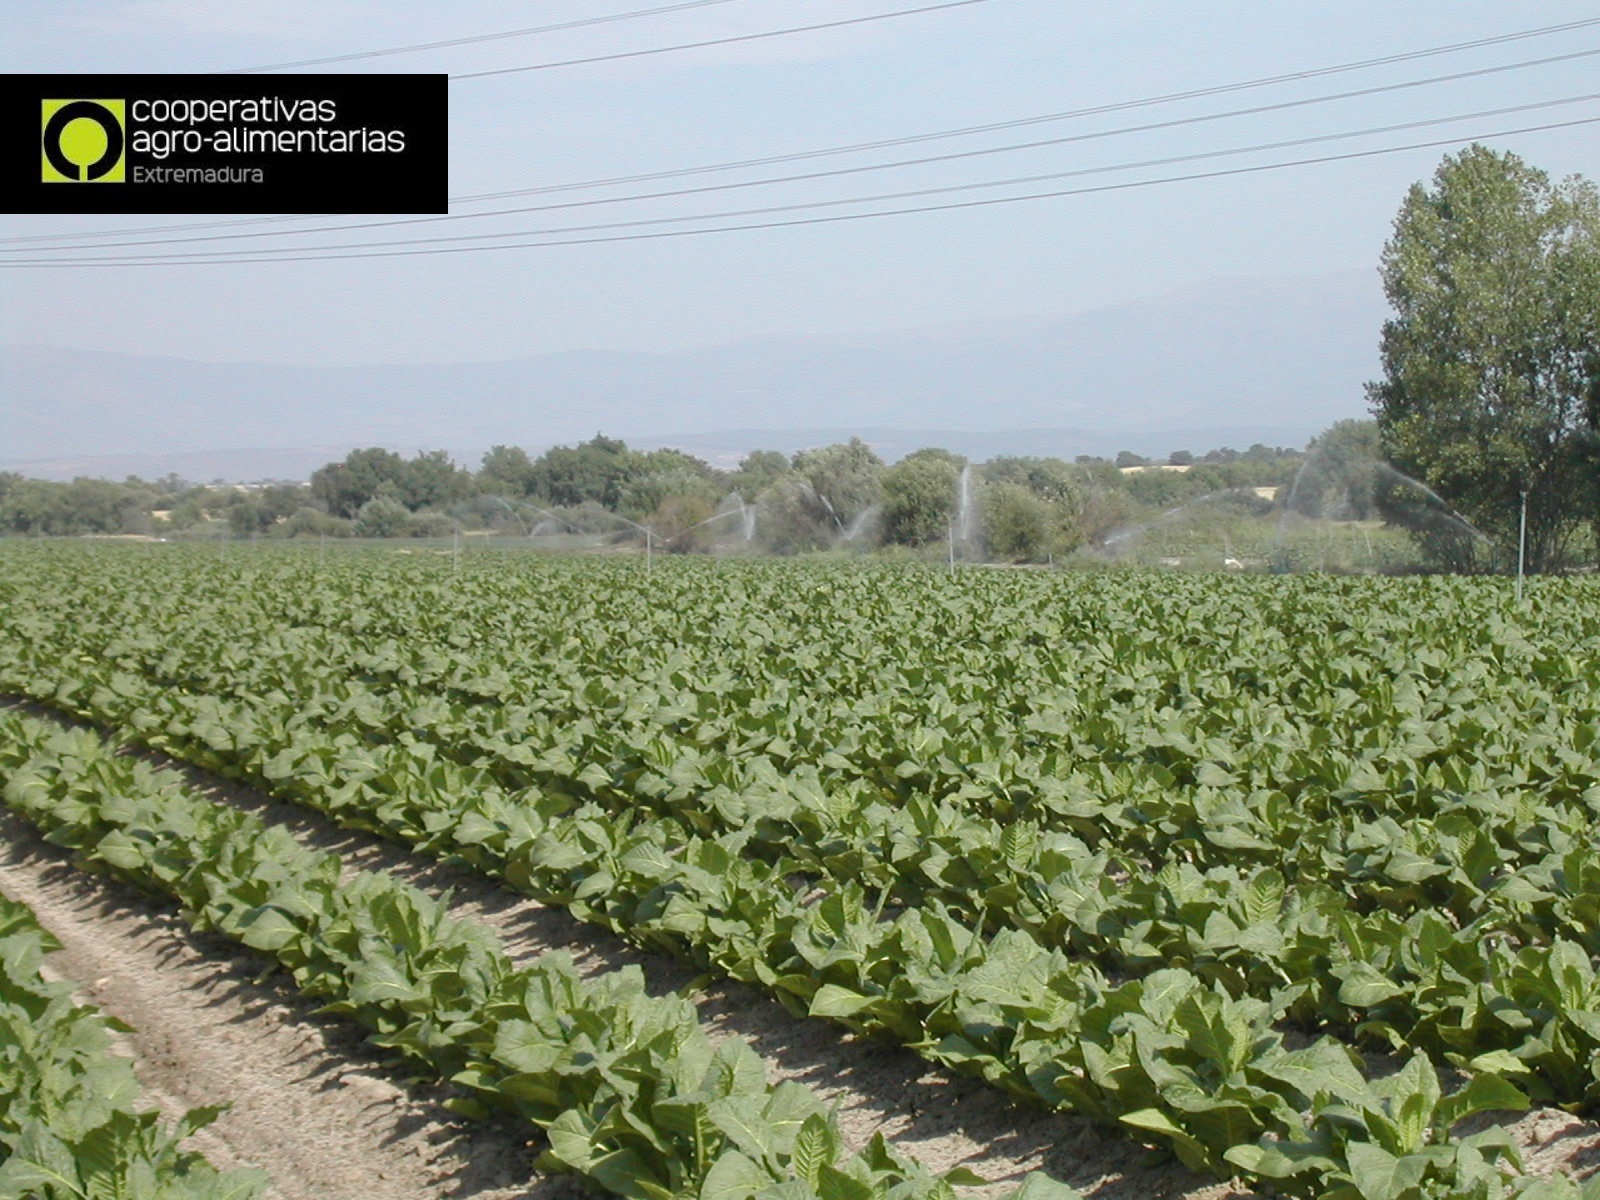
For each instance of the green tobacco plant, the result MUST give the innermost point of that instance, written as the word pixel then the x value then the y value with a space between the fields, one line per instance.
pixel 70 1127
pixel 625 1085
pixel 980 813
pixel 1390 1139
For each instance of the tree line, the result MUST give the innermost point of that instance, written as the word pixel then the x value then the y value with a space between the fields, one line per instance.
pixel 1021 508
pixel 1483 446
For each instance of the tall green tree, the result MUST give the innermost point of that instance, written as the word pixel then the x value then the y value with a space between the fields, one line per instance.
pixel 656 475
pixel 1340 477
pixel 258 511
pixel 595 471
pixel 919 497
pixel 757 472
pixel 343 487
pixel 1033 508
pixel 1490 359
pixel 506 471
pixel 432 480
pixel 845 479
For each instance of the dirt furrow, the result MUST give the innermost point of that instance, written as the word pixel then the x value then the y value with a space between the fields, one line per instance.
pixel 942 1118
pixel 310 1104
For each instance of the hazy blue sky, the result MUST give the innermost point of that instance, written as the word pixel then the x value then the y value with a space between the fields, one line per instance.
pixel 994 61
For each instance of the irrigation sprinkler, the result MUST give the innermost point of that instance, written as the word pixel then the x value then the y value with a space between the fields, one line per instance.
pixel 650 535
pixel 649 540
pixel 732 512
pixel 527 526
pixel 556 517
pixel 1522 544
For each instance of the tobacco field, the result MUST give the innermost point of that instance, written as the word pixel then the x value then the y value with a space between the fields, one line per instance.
pixel 1293 879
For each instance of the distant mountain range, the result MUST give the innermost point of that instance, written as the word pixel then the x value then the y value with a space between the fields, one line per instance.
pixel 1226 362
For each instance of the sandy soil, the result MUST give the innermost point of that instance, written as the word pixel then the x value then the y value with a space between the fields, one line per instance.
pixel 311 1106
pixel 942 1118
pixel 327 1119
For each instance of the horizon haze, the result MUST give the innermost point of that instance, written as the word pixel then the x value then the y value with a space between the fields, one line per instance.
pixel 1233 360
pixel 684 220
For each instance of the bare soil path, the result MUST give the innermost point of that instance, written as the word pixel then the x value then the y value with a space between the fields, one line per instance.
pixel 942 1118
pixel 327 1119
pixel 311 1106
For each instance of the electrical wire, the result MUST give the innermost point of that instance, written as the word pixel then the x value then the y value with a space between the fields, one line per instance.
pixel 478 38
pixel 963 131
pixel 722 41
pixel 834 173
pixel 374 250
pixel 1043 118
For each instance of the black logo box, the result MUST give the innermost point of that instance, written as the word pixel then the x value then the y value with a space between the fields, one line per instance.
pixel 292 181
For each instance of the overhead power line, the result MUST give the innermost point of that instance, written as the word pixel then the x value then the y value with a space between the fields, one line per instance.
pixel 475 39
pixel 1043 118
pixel 601 233
pixel 1096 110
pixel 722 41
pixel 450 218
